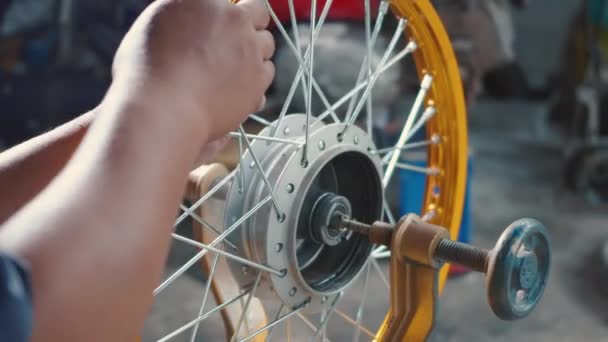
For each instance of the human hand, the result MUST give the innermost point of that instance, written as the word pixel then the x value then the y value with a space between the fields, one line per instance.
pixel 210 150
pixel 205 62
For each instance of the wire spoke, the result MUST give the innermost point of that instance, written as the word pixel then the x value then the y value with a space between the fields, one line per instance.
pixel 255 137
pixel 262 173
pixel 379 249
pixel 435 140
pixel 371 43
pixel 405 52
pixel 276 322
pixel 208 195
pixel 308 323
pixel 227 255
pixel 240 168
pixel 321 331
pixel 354 324
pixel 428 114
pixel 259 119
pixel 369 65
pixel 359 316
pixel 432 171
pixel 296 37
pixel 205 224
pixel 246 308
pixel 279 25
pixel 380 272
pixel 424 88
pixel 372 81
pixel 389 213
pixel 303 61
pixel 382 255
pixel 360 99
pixel 311 63
pixel 205 296
pixel 300 72
pixel 203 317
pixel 217 240
pixel 429 216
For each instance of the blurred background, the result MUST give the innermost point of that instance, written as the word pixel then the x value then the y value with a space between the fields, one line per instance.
pixel 536 78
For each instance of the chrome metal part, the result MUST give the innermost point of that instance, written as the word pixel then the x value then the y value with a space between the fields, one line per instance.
pixel 317 260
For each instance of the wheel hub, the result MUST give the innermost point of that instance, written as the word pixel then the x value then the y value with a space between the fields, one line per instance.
pixel 299 238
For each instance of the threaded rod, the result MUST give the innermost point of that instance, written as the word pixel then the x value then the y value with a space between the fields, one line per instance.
pixel 463 254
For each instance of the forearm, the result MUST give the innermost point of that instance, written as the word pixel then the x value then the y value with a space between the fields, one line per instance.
pixel 28 168
pixel 98 253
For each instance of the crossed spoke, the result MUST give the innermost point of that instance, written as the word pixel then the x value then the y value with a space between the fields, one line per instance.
pixel 372 80
pixel 205 296
pixel 424 88
pixel 203 317
pixel 246 308
pixel 359 99
pixel 277 321
pixel 217 240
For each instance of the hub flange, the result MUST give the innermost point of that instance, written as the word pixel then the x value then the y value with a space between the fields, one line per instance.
pixel 299 238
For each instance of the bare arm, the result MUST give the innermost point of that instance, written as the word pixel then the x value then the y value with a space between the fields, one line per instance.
pixel 28 168
pixel 97 237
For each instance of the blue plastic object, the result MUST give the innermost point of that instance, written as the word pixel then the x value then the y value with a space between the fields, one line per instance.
pixel 412 187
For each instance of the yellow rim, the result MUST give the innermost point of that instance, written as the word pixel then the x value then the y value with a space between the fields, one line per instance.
pixel 435 56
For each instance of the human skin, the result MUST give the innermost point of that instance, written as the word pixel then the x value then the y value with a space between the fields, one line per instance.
pixel 97 236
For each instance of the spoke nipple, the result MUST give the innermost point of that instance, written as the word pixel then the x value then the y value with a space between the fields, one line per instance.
pixel 286 131
pixel 356 140
pixel 436 139
pixel 426 82
pixel 411 46
pixel 321 145
pixel 278 248
pixel 283 273
pixel 429 112
pixel 290 188
pixel 384 5
pixel 293 291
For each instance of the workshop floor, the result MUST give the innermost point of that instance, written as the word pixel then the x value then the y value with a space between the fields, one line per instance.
pixel 515 176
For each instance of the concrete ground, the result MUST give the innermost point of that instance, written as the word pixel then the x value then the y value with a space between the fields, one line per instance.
pixel 515 175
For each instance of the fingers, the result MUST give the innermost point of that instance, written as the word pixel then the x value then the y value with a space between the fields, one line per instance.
pixel 267 44
pixel 262 104
pixel 268 71
pixel 257 11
